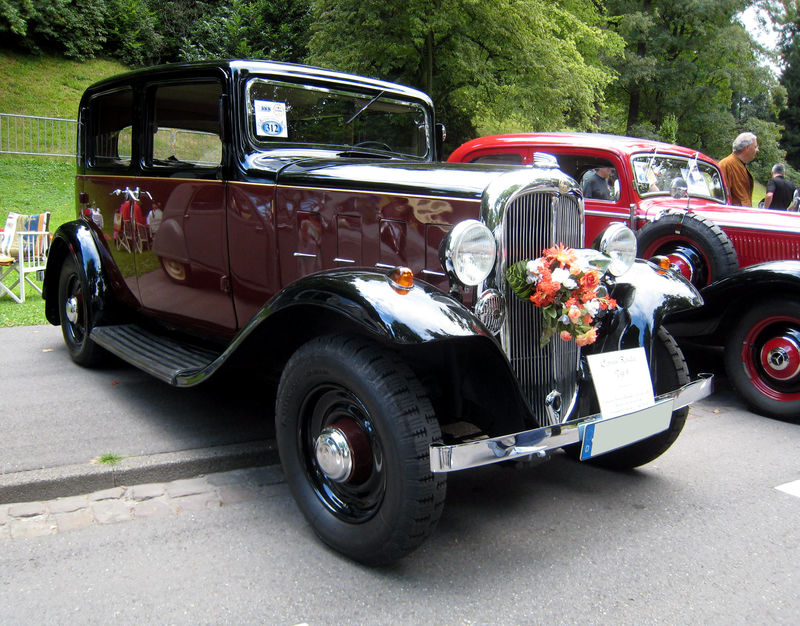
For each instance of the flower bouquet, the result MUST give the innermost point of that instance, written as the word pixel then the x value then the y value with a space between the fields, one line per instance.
pixel 566 286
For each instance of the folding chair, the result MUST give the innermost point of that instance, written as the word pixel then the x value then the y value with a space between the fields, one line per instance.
pixel 23 251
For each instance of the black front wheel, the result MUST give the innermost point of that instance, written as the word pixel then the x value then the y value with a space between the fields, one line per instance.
pixel 353 426
pixel 76 315
pixel 669 372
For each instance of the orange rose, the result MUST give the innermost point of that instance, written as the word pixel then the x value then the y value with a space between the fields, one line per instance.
pixel 541 298
pixel 565 335
pixel 548 287
pixel 590 336
pixel 590 280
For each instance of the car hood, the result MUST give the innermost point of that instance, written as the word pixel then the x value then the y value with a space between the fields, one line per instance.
pixel 725 215
pixel 396 176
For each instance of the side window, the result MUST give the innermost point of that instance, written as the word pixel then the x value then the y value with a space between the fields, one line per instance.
pixel 185 126
pixel 110 122
pixel 509 158
pixel 599 180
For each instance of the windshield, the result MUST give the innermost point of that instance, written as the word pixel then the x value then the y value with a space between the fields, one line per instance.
pixel 676 175
pixel 281 113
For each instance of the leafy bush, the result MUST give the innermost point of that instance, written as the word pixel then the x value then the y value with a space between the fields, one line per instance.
pixel 75 29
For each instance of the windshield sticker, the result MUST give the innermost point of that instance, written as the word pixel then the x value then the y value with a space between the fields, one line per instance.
pixel 270 118
pixel 697 182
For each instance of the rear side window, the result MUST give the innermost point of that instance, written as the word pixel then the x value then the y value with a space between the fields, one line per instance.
pixel 185 126
pixel 110 123
pixel 509 158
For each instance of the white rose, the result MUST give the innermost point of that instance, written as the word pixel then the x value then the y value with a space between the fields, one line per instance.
pixel 561 275
pixel 592 307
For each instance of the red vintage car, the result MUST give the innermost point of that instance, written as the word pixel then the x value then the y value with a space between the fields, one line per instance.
pixel 674 198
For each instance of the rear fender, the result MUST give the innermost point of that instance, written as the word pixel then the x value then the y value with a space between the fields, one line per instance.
pixel 77 240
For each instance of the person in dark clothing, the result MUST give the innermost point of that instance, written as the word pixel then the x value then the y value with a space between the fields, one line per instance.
pixel 595 184
pixel 779 190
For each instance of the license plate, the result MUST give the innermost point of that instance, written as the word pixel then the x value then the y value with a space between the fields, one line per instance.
pixel 616 432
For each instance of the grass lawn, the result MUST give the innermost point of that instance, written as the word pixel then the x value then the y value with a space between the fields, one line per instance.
pixel 33 185
pixel 48 87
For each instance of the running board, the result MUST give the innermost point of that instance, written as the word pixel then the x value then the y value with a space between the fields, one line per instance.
pixel 179 364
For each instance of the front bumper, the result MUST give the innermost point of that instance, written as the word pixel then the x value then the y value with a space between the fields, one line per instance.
pixel 539 440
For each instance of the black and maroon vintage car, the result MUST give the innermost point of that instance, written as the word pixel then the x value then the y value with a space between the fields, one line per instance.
pixel 295 221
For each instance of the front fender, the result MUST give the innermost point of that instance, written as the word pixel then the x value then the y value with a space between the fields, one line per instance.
pixel 732 295
pixel 369 299
pixel 645 295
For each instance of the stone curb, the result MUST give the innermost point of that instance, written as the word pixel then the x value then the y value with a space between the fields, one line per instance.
pixel 70 480
pixel 25 520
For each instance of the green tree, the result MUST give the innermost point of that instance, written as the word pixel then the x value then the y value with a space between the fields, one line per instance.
pixel 75 29
pixel 786 15
pixel 249 29
pixel 690 59
pixel 490 67
pixel 133 35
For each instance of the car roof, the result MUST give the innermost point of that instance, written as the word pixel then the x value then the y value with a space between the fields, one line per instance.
pixel 618 143
pixel 260 66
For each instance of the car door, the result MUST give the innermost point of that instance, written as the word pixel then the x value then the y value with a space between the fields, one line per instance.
pixel 181 240
pixel 106 179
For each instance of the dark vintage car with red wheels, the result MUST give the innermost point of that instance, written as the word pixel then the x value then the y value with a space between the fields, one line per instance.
pixel 674 198
pixel 417 317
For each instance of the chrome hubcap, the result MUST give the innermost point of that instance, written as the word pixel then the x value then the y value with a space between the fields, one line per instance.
pixel 71 309
pixel 333 454
pixel 780 358
pixel 683 265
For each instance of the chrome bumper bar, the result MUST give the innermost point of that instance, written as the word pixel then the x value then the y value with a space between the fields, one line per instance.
pixel 540 440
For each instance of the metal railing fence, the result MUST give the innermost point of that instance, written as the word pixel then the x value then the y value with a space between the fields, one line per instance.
pixel 44 136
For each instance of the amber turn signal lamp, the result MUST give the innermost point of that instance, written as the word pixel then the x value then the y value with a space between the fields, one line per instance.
pixel 662 262
pixel 402 279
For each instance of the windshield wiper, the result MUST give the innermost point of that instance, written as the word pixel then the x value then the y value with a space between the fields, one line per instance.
pixel 366 106
pixel 356 153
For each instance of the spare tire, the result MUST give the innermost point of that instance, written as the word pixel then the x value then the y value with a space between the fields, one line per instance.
pixel 699 248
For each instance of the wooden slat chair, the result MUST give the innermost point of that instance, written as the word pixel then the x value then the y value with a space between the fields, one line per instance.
pixel 23 251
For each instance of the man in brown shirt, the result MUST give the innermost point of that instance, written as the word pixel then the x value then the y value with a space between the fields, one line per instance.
pixel 737 176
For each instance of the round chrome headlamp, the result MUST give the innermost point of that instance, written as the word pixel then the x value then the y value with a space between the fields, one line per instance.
pixel 619 244
pixel 469 252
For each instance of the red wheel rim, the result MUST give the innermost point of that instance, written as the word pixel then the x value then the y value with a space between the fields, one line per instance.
pixel 771 357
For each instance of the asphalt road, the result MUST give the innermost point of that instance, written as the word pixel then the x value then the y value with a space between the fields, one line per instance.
pixel 55 413
pixel 701 535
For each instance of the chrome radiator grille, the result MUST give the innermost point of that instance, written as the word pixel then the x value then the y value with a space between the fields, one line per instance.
pixel 533 222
